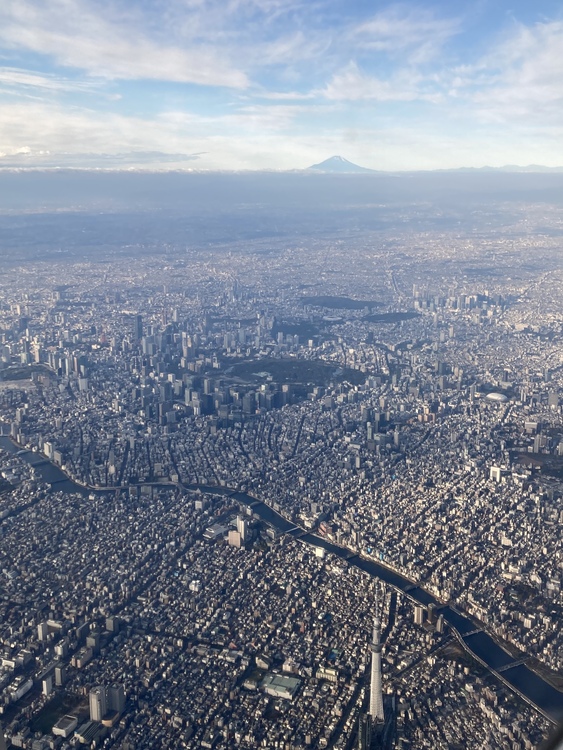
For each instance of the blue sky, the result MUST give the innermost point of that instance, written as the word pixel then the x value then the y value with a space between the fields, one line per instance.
pixel 280 84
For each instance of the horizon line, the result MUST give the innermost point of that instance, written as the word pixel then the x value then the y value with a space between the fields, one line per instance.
pixel 366 171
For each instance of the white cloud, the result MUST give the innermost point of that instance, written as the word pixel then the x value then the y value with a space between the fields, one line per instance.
pixel 71 130
pixel 74 135
pixel 351 84
pixel 526 76
pixel 87 37
pixel 403 30
pixel 277 117
pixel 25 158
pixel 284 95
pixel 510 99
pixel 17 78
pixel 291 48
pixel 207 42
pixel 253 138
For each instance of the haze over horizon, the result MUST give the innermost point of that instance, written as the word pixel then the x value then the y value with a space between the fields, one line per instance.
pixel 270 84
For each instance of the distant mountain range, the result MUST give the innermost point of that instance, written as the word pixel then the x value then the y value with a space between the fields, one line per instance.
pixel 340 165
pixel 505 168
pixel 144 162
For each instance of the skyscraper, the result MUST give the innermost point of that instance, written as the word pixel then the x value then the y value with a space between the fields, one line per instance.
pixel 138 327
pixel 242 528
pixel 98 706
pixel 116 698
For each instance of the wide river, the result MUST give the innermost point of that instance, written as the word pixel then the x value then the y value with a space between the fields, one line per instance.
pixel 527 683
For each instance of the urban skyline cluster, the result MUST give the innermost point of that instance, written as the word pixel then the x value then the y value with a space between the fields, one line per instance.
pixel 397 394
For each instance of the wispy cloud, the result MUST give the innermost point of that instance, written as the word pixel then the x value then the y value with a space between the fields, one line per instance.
pixel 276 117
pixel 278 82
pixel 25 158
pixel 404 30
pixel 525 76
pixel 206 42
pixel 82 36
pixel 288 49
pixel 285 95
pixel 18 78
pixel 71 135
pixel 351 84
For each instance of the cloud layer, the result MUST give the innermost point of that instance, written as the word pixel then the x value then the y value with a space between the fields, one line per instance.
pixel 277 84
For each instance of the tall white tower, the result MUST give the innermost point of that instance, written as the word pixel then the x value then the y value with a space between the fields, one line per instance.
pixel 376 691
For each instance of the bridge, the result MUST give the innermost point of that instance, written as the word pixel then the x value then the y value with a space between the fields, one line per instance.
pixel 513 664
pixel 473 632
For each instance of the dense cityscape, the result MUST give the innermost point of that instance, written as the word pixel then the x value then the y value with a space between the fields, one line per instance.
pixel 395 394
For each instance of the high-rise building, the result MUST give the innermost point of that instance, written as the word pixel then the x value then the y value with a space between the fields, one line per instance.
pixel 116 698
pixel 418 614
pixel 106 700
pixel 138 327
pixel 242 528
pixel 234 539
pixel 98 704
pixel 60 675
pixel 47 685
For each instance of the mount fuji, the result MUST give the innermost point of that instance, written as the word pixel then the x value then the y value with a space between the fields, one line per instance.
pixel 339 164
